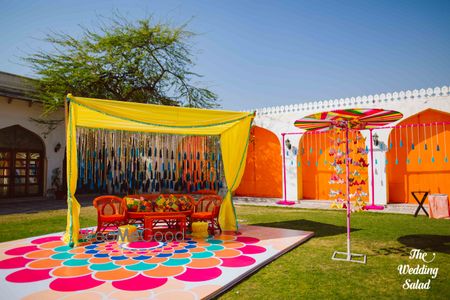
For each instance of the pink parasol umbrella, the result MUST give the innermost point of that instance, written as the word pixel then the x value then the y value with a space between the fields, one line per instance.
pixel 349 119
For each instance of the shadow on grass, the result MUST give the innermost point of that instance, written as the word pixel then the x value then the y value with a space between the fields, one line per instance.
pixel 427 242
pixel 319 229
pixel 401 250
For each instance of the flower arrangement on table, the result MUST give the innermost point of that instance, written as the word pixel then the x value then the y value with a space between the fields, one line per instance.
pixel 139 206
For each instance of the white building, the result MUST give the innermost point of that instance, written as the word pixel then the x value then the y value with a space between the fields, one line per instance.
pixel 29 151
pixel 393 182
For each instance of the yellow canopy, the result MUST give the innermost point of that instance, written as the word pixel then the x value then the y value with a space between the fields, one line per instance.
pixel 233 128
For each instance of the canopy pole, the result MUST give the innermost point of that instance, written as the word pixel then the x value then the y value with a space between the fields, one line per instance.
pixel 69 231
pixel 66 112
pixel 66 128
pixel 372 183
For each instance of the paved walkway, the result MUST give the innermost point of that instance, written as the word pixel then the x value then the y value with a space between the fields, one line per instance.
pixel 36 204
pixel 326 204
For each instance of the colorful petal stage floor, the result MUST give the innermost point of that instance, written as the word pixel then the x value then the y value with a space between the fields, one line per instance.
pixel 45 268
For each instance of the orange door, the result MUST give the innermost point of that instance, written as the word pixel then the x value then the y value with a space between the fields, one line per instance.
pixel 315 164
pixel 417 158
pixel 263 169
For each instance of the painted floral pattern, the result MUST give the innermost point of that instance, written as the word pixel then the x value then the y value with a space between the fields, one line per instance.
pixel 135 266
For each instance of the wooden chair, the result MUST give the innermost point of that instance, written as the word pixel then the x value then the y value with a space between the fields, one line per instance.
pixel 111 211
pixel 207 209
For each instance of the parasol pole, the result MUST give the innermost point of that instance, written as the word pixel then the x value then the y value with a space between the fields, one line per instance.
pixel 347 170
pixel 372 206
pixel 348 255
pixel 284 201
pixel 284 168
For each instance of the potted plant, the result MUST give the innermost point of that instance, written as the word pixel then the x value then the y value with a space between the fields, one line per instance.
pixel 57 184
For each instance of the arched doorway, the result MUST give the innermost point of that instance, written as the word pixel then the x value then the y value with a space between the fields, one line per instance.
pixel 21 162
pixel 315 164
pixel 262 175
pixel 417 158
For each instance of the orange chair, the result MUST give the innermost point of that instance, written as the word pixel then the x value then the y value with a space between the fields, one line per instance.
pixel 207 209
pixel 111 211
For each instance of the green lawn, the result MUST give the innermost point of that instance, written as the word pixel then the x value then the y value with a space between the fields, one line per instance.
pixel 308 271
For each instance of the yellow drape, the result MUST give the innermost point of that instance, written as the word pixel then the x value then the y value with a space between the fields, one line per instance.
pixel 233 128
pixel 234 144
pixel 73 207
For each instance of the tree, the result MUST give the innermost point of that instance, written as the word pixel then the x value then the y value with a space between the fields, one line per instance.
pixel 123 60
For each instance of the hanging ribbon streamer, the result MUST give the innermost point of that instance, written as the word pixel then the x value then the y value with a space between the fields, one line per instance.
pixel 316 152
pixel 431 143
pixel 320 143
pixel 419 159
pixel 407 145
pixel 437 138
pixel 126 162
pixel 357 170
pixel 308 146
pixel 445 144
pixel 401 140
pixel 388 150
pixel 396 148
pixel 425 146
pixel 376 160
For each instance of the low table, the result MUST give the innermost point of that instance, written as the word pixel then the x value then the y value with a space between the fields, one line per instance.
pixel 133 217
pixel 176 223
pixel 420 202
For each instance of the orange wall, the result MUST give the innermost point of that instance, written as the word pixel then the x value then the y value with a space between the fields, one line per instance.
pixel 262 176
pixel 405 177
pixel 314 177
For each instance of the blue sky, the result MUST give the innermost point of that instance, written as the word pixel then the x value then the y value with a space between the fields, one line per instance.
pixel 263 53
